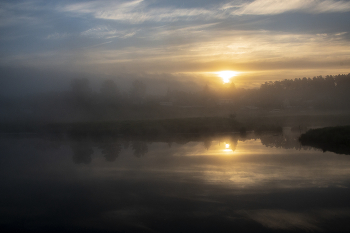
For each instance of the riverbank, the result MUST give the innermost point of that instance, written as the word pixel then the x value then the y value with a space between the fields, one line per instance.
pixel 335 139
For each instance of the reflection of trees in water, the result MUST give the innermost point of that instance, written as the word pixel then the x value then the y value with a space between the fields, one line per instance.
pixel 282 141
pixel 230 140
pixel 139 148
pixel 233 143
pixel 182 141
pixel 111 151
pixel 112 147
pixel 286 141
pixel 126 144
pixel 207 143
pixel 82 152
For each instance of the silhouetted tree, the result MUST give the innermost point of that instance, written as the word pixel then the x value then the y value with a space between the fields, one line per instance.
pixel 111 151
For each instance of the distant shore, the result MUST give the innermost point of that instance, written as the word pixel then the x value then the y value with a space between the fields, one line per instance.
pixel 232 123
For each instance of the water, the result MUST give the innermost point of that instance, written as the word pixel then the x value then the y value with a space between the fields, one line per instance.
pixel 184 183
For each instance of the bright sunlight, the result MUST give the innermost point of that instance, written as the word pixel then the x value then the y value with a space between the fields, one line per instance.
pixel 226 75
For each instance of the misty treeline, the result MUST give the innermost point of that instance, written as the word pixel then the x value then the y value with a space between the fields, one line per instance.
pixel 108 102
pixel 300 94
pixel 325 93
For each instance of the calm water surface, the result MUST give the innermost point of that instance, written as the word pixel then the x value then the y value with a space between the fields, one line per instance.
pixel 224 183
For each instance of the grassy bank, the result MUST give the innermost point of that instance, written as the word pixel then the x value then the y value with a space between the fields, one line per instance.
pixel 335 139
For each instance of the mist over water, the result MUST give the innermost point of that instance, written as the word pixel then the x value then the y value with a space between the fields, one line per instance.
pixel 174 116
pixel 107 100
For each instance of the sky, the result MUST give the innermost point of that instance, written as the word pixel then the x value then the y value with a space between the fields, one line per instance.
pixel 170 43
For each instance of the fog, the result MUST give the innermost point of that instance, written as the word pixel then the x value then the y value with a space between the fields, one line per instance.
pixel 174 116
pixel 25 81
pixel 74 99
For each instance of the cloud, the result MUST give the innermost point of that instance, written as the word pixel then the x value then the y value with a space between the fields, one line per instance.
pixel 96 45
pixel 99 7
pixel 20 13
pixel 136 11
pixel 193 49
pixel 272 7
pixel 192 30
pixel 108 33
pixel 56 36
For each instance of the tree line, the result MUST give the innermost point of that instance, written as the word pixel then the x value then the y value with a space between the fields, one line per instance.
pixel 83 103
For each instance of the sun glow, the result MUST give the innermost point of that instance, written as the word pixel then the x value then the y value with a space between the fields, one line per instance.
pixel 226 75
pixel 227 148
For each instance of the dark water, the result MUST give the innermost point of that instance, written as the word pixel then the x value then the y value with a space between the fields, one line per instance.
pixel 224 183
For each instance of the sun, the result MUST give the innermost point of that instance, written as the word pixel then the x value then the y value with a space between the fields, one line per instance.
pixel 226 75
